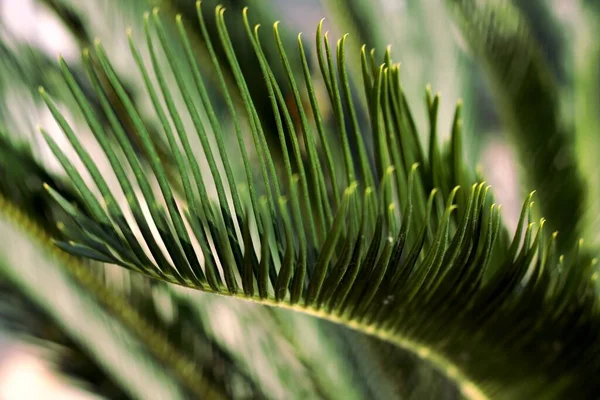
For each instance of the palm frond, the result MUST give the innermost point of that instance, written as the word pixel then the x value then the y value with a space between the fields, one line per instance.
pixel 410 249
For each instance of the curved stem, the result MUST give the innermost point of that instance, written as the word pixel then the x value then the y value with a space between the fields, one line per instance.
pixel 466 386
pixel 180 365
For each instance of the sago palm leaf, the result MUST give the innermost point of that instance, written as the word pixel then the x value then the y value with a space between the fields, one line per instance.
pixel 407 247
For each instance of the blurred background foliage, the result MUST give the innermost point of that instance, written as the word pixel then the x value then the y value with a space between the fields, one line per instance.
pixel 529 78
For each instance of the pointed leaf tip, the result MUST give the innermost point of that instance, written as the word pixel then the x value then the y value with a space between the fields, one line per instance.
pixel 351 189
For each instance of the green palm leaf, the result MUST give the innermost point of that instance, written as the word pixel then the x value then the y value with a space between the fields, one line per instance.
pixel 410 249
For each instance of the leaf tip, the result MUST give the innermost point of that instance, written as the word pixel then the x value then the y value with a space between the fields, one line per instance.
pixel 351 189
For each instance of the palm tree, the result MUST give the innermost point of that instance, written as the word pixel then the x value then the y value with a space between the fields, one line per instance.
pixel 231 159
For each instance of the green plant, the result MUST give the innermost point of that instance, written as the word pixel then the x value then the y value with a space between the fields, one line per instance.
pixel 359 225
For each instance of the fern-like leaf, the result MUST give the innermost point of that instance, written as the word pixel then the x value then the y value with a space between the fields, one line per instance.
pixel 410 249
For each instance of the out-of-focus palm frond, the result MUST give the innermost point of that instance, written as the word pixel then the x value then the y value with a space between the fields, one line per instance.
pixel 528 97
